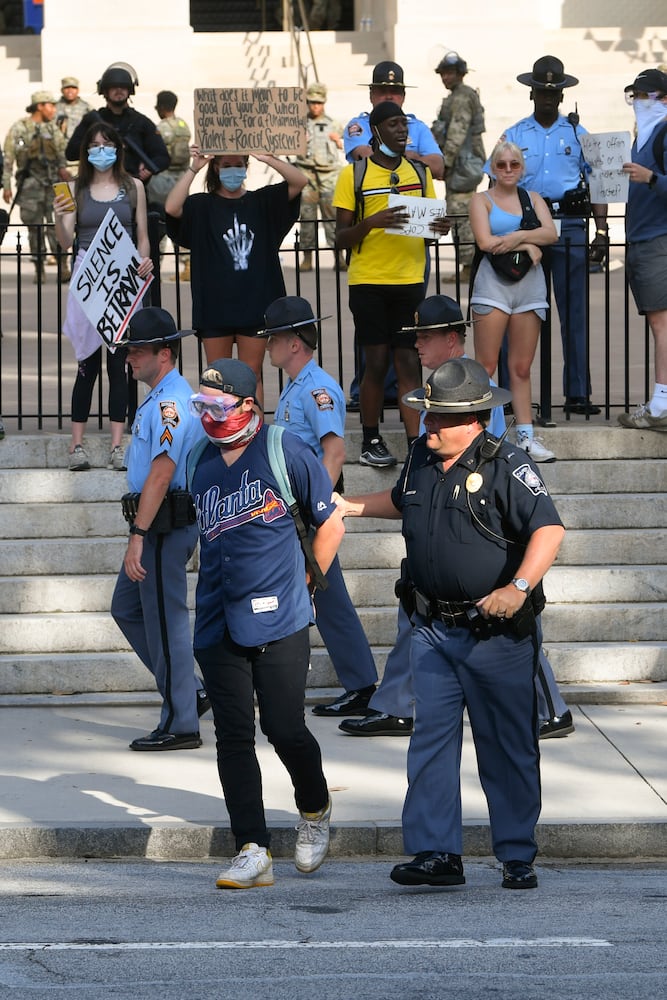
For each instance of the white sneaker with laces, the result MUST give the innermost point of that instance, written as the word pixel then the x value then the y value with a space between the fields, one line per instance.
pixel 251 867
pixel 78 460
pixel 534 447
pixel 312 840
pixel 117 459
pixel 643 419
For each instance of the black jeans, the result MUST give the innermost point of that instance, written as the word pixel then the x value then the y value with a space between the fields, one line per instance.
pixel 277 673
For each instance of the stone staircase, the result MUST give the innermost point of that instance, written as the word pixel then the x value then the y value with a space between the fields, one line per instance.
pixel 62 539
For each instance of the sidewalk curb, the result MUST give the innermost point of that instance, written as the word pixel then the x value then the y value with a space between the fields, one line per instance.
pixel 190 842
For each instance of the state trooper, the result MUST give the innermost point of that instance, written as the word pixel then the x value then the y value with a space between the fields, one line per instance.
pixel 36 146
pixel 321 163
pixel 474 643
pixel 458 130
pixel 149 603
pixel 312 406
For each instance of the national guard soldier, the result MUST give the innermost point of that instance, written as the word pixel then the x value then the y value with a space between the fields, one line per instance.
pixel 176 136
pixel 321 164
pixel 458 131
pixel 37 147
pixel 70 108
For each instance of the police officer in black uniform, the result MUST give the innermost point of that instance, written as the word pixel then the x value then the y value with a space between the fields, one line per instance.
pixel 480 531
pixel 145 151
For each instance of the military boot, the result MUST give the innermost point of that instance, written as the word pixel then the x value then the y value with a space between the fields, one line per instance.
pixel 307 262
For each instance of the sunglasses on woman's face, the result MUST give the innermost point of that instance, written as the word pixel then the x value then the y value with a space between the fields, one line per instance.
pixel 507 165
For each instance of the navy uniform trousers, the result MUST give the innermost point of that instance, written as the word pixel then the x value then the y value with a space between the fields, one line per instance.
pixel 494 680
pixel 154 618
pixel 343 633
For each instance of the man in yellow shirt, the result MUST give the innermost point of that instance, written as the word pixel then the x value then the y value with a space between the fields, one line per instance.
pixel 386 272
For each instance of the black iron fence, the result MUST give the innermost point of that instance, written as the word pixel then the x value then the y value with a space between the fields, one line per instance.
pixel 37 367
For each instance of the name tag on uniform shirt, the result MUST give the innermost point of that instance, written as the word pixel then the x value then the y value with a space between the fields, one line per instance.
pixel 260 604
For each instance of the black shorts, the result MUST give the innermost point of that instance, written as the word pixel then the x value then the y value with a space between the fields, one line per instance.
pixel 379 312
pixel 226 331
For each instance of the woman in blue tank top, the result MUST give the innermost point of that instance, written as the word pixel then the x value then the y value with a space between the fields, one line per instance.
pixel 502 306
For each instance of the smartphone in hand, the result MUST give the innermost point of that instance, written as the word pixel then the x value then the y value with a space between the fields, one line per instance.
pixel 62 188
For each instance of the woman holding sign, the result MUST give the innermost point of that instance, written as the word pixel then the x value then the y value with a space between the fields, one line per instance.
pixel 234 236
pixel 102 183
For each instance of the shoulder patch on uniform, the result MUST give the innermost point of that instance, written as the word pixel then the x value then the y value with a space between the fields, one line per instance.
pixel 322 399
pixel 354 128
pixel 169 413
pixel 530 479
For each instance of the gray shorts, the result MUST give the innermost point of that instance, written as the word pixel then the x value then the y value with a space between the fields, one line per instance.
pixel 646 267
pixel 490 291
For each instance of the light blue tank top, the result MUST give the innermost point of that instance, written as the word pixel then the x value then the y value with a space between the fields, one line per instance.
pixel 500 222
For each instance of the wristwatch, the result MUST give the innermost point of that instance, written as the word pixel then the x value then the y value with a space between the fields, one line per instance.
pixel 134 530
pixel 522 585
pixel 653 180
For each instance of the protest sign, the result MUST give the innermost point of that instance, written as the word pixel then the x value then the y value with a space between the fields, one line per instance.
pixel 421 212
pixel 605 153
pixel 245 120
pixel 107 285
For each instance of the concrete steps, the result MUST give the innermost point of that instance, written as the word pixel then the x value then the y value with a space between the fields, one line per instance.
pixel 62 539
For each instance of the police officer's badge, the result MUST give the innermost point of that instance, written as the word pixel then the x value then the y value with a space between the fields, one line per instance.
pixel 530 480
pixel 322 399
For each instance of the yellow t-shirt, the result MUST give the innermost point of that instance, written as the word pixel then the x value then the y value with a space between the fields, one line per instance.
pixel 384 259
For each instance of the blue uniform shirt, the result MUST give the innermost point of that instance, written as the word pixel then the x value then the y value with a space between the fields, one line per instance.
pixel 451 532
pixel 420 138
pixel 252 575
pixel 311 406
pixel 554 158
pixel 163 425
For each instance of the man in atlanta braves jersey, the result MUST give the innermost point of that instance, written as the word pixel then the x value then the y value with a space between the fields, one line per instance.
pixel 254 611
pixel 312 406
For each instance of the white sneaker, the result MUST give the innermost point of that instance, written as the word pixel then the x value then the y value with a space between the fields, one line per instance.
pixel 252 866
pixel 78 460
pixel 312 840
pixel 643 419
pixel 534 447
pixel 117 459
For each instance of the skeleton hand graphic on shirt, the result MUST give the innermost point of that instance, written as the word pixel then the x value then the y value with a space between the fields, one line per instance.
pixel 239 241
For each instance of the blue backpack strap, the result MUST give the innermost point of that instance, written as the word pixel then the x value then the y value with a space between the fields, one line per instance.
pixel 279 469
pixel 192 461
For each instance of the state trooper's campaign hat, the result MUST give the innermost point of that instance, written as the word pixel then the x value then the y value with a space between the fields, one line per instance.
pixel 232 376
pixel 292 314
pixel 460 385
pixel 387 74
pixel 438 312
pixel 151 325
pixel 548 74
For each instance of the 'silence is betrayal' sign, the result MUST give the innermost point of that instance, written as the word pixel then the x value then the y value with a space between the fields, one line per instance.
pixel 245 120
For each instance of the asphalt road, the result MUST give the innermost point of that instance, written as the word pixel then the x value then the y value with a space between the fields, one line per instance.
pixel 146 930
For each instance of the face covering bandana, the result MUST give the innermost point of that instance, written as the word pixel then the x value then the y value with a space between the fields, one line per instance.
pixel 102 158
pixel 648 113
pixel 236 431
pixel 232 178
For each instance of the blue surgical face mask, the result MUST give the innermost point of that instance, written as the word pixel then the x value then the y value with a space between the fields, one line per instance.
pixel 232 178
pixel 386 150
pixel 102 158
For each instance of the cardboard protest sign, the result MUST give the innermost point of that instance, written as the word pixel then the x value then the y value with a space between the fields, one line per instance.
pixel 107 285
pixel 245 120
pixel 605 153
pixel 421 213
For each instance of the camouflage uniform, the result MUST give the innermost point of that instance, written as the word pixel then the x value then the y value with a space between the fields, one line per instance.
pixel 176 136
pixel 70 114
pixel 461 113
pixel 38 149
pixel 321 164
